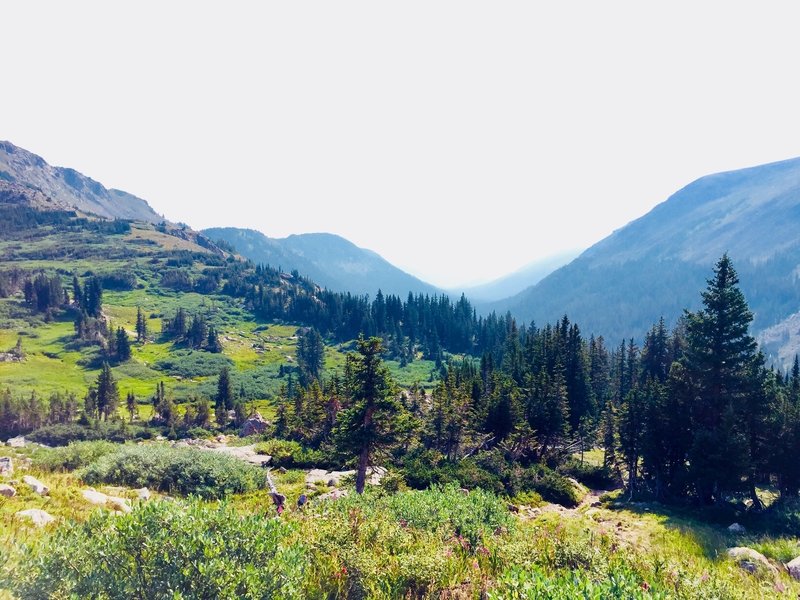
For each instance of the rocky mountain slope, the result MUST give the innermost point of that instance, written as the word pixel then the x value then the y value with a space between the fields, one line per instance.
pixel 657 264
pixel 69 188
pixel 327 259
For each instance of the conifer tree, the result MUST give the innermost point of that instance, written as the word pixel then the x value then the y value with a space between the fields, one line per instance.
pixel 130 405
pixel 224 397
pixel 141 326
pixel 107 393
pixel 203 416
pixel 375 417
pixel 123 345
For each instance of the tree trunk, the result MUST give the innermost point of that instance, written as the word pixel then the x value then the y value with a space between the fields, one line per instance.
pixel 361 474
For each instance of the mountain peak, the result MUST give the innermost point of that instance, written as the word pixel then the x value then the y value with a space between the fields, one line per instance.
pixel 68 188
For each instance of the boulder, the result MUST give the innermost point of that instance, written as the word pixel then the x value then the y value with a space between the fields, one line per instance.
pixel 254 425
pixel 736 528
pixel 793 567
pixel 16 442
pixel 119 504
pixel 39 517
pixel 143 493
pixel 94 497
pixel 7 491
pixel 36 485
pixel 330 478
pixel 6 466
pixel 750 560
pixel 333 495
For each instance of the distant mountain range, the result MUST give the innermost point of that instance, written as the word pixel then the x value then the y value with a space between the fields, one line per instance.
pixel 659 263
pixel 327 259
pixel 68 188
pixel 515 282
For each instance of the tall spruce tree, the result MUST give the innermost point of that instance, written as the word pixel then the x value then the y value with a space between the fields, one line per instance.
pixel 720 357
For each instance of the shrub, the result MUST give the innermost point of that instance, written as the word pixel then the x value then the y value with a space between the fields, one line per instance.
pixel 64 433
pixel 290 454
pixel 74 456
pixel 550 485
pixel 175 470
pixel 592 476
pixel 193 363
pixel 163 550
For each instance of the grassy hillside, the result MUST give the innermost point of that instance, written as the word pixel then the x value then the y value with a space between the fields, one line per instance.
pixel 261 354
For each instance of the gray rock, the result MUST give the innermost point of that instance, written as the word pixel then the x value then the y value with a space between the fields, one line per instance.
pixel 254 424
pixel 94 497
pixel 749 560
pixel 245 453
pixel 793 567
pixel 39 517
pixel 119 504
pixel 143 493
pixel 7 491
pixel 16 442
pixel 36 485
pixel 736 528
pixel 333 495
pixel 6 466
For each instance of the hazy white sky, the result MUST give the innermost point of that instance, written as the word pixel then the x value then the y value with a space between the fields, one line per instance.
pixel 460 140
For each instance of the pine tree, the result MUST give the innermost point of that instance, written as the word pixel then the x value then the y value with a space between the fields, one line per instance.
pixel 123 345
pixel 375 417
pixel 141 326
pixel 107 392
pixel 719 359
pixel 130 405
pixel 310 354
pixel 203 417
pixel 224 397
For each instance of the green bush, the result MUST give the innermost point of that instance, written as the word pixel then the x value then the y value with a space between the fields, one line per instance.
pixel 550 485
pixel 163 550
pixel 63 434
pixel 193 363
pixel 290 454
pixel 592 476
pixel 175 470
pixel 74 456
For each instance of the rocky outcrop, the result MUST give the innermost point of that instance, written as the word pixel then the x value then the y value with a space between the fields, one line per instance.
pixel 334 478
pixel 112 502
pixel 793 567
pixel 39 517
pixel 6 466
pixel 254 425
pixel 16 442
pixel 36 485
pixel 7 491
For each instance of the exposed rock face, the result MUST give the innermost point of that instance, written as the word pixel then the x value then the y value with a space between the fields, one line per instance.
pixel 254 425
pixel 7 491
pixel 750 560
pixel 333 495
pixel 112 502
pixel 39 517
pixel 36 485
pixel 143 493
pixel 94 497
pixel 334 478
pixel 68 189
pixel 245 453
pixel 6 466
pixel 736 528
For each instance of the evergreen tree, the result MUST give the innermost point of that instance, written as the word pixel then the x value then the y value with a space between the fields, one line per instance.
pixel 213 343
pixel 203 416
pixel 310 355
pixel 375 417
pixel 141 326
pixel 224 397
pixel 107 392
pixel 130 405
pixel 719 359
pixel 123 345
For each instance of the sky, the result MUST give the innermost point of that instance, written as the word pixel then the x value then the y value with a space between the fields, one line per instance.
pixel 460 140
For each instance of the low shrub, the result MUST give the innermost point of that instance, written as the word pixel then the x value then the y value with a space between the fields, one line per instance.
pixel 592 476
pixel 74 456
pixel 64 433
pixel 550 485
pixel 193 363
pixel 290 454
pixel 163 550
pixel 175 470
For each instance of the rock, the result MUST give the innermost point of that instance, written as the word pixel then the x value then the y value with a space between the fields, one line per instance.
pixel 254 424
pixel 736 528
pixel 793 567
pixel 39 517
pixel 7 491
pixel 513 508
pixel 333 495
pixel 36 485
pixel 282 470
pixel 143 493
pixel 464 491
pixel 331 478
pixel 16 442
pixel 6 466
pixel 119 504
pixel 749 560
pixel 245 453
pixel 94 497
pixel 375 474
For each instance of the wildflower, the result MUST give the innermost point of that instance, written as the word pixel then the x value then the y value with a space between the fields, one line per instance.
pixel 645 586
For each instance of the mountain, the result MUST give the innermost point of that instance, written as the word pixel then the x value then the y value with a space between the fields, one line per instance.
pixel 70 189
pixel 657 264
pixel 327 259
pixel 515 282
